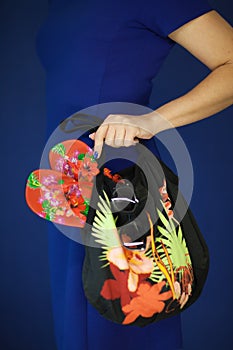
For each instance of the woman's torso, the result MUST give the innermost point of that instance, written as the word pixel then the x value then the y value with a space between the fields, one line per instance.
pixel 96 52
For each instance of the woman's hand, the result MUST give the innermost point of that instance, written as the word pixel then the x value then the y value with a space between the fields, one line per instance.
pixel 123 130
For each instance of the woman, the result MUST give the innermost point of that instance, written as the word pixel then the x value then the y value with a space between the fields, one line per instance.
pixel 103 51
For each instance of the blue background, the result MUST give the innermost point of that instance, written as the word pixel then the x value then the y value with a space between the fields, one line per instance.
pixel 25 306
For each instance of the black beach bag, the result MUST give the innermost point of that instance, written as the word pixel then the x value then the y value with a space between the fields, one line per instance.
pixel 146 258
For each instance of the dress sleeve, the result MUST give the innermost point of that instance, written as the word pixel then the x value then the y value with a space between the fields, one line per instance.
pixel 165 16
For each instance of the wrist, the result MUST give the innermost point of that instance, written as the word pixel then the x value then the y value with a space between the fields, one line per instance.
pixel 157 122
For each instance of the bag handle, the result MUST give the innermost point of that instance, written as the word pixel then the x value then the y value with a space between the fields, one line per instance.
pixel 91 127
pixel 79 121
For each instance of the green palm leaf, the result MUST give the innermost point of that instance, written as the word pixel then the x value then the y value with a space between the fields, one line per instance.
pixel 59 149
pixel 104 228
pixel 165 222
pixel 173 239
pixel 33 181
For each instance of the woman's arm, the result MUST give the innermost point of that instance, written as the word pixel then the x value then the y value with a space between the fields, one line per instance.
pixel 210 39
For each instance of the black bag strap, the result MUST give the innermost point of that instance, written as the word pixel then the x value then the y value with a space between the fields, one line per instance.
pixel 90 123
pixel 80 121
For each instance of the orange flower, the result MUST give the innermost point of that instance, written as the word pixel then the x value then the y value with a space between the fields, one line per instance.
pixel 163 191
pixel 115 177
pixel 149 301
pixel 88 168
pixel 165 198
pixel 136 262
pixel 107 172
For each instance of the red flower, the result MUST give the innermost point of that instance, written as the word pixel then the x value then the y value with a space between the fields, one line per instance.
pixel 117 288
pixel 77 205
pixel 71 169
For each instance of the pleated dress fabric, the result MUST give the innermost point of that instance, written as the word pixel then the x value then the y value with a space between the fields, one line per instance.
pixel 93 52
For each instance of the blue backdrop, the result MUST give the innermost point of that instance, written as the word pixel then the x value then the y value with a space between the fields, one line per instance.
pixel 25 306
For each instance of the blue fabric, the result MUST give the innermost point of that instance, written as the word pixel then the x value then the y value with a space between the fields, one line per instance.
pixel 95 52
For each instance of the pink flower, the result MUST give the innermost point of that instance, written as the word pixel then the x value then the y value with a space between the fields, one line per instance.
pixel 59 164
pixel 49 180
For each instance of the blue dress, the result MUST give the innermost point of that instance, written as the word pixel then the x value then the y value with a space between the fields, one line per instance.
pixel 97 51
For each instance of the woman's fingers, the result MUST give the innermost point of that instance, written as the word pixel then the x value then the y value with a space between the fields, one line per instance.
pixel 119 131
pixel 119 136
pixel 113 136
pixel 130 135
pixel 100 135
pixel 110 135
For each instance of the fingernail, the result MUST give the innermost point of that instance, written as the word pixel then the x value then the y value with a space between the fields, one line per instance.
pixel 91 135
pixel 96 155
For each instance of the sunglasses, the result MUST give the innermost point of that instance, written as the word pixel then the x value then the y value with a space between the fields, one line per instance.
pixel 123 198
pixel 128 233
pixel 124 202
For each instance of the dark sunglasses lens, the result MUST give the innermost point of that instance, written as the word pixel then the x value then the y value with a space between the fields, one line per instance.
pixel 123 204
pixel 130 237
pixel 123 198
